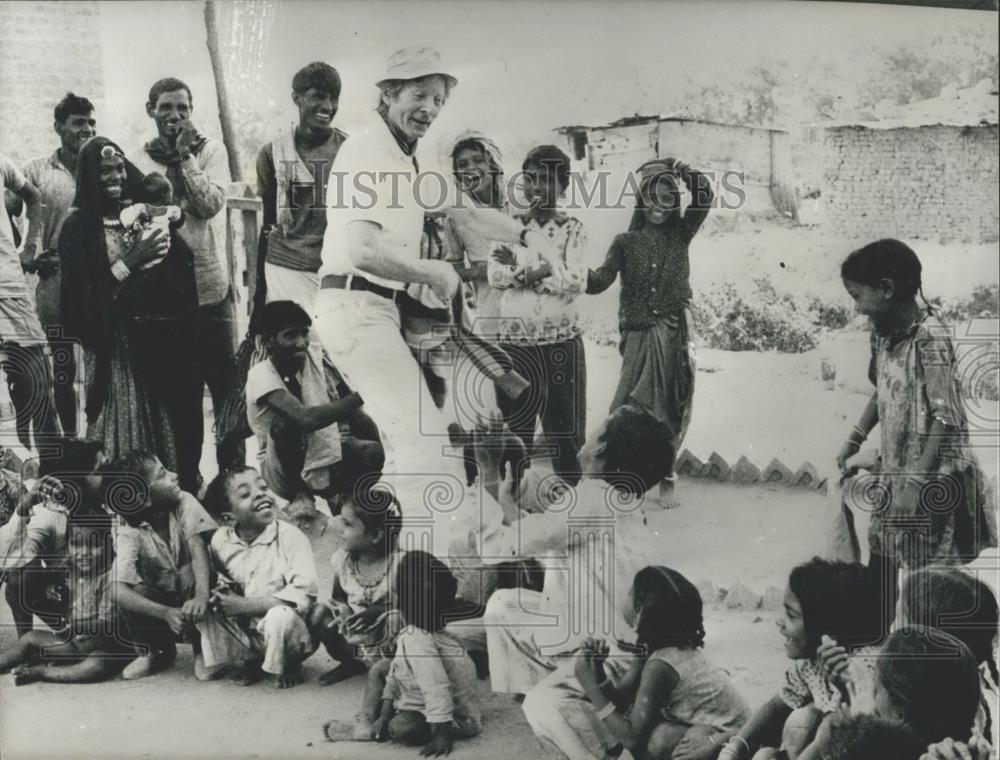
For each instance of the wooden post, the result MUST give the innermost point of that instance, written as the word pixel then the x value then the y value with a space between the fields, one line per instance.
pixel 251 214
pixel 225 117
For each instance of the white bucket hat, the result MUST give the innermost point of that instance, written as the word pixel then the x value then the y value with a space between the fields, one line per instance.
pixel 414 63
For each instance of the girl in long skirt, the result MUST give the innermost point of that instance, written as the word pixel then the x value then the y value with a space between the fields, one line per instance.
pixel 652 258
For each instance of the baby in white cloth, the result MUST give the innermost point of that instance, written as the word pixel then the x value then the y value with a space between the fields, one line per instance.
pixel 158 213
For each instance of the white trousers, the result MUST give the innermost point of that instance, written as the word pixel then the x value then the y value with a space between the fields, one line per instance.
pixel 361 333
pixel 281 634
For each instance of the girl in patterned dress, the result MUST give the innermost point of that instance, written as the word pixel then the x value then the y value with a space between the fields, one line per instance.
pixel 823 599
pixel 671 701
pixel 652 258
pixel 932 504
pixel 357 625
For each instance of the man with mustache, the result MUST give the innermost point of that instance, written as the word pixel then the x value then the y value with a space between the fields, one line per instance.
pixel 197 170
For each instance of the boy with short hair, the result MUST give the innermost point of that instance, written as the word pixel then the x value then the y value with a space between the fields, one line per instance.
pixel 90 648
pixel 267 583
pixel 292 175
pixel 314 438
pixel 161 570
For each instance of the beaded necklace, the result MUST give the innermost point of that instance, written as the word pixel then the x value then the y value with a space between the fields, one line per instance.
pixel 368 587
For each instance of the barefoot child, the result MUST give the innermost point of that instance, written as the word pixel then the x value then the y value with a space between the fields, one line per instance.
pixel 672 702
pixel 90 648
pixel 652 257
pixel 918 407
pixel 430 694
pixel 267 584
pixel 834 599
pixel 161 563
pixel 358 626
pixel 314 438
pixel 539 321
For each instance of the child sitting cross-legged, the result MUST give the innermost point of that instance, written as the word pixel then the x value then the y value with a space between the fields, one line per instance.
pixel 673 702
pixel 161 562
pixel 90 648
pixel 358 625
pixel 430 694
pixel 267 582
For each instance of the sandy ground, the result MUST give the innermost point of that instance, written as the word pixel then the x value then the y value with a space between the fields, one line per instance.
pixel 762 405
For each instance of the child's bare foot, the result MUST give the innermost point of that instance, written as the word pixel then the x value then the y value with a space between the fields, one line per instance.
pixel 204 673
pixel 348 731
pixel 292 676
pixel 150 664
pixel 248 673
pixel 27 674
pixel 668 496
pixel 343 672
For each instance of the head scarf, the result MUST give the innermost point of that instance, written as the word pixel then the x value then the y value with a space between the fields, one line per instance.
pixel 89 199
pixel 493 156
pixel 651 172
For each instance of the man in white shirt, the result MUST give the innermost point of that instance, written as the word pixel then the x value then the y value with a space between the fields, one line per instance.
pixel 375 219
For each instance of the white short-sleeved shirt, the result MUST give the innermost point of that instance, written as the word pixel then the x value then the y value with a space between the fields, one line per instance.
pixel 278 563
pixel 373 180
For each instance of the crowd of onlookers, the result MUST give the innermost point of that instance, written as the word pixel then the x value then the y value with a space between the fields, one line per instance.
pixel 373 315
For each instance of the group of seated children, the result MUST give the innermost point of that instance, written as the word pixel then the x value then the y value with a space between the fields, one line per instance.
pixel 148 567
pixel 927 692
pixel 245 597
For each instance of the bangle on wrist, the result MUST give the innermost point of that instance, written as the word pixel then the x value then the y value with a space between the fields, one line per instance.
pixel 120 270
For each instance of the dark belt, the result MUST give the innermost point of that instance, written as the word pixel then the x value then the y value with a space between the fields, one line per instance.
pixel 356 282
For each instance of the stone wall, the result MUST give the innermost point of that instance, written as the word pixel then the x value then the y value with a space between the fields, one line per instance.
pixel 46 49
pixel 932 182
pixel 718 148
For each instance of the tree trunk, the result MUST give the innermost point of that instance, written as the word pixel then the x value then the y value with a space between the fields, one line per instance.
pixel 225 117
